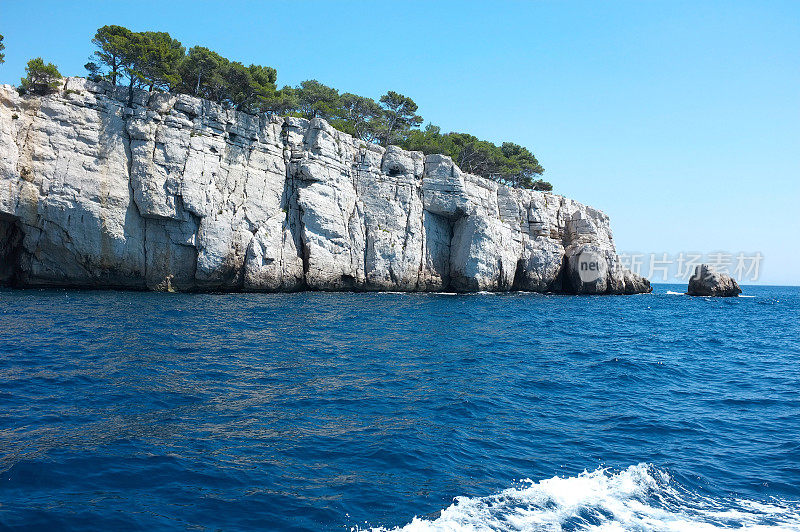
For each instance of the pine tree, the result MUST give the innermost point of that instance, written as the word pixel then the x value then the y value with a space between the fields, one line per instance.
pixel 41 78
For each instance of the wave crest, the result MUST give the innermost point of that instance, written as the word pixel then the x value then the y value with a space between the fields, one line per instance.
pixel 641 497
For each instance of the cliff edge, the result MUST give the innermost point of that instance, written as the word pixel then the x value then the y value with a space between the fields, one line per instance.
pixel 178 193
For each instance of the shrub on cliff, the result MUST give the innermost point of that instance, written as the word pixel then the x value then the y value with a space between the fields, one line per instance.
pixel 41 78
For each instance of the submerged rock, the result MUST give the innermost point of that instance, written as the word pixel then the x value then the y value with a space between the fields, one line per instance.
pixel 707 282
pixel 178 193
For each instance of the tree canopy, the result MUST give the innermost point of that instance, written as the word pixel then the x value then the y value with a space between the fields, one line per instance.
pixel 112 43
pixel 317 100
pixel 399 117
pixel 161 62
pixel 201 73
pixel 281 102
pixel 359 116
pixel 248 87
pixel 510 164
pixel 156 61
pixel 2 47
pixel 41 78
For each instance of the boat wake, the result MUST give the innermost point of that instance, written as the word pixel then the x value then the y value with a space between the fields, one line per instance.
pixel 641 497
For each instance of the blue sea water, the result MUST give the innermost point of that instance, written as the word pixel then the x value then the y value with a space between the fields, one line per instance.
pixel 340 411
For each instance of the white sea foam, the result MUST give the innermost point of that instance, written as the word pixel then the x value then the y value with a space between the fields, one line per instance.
pixel 639 498
pixel 671 293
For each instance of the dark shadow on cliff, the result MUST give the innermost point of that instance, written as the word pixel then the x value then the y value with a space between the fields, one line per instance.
pixel 10 251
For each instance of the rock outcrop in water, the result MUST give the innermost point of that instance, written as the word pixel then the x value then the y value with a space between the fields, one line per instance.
pixel 707 282
pixel 178 193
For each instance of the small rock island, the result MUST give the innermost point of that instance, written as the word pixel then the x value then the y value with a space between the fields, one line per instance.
pixel 707 282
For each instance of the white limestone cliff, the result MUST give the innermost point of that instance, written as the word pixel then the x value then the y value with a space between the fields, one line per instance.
pixel 177 193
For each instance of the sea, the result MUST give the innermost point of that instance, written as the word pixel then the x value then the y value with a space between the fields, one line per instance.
pixel 392 411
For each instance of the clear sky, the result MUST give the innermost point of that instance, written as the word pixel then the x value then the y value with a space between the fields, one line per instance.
pixel 681 120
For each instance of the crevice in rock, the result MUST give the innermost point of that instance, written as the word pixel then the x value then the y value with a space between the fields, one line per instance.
pixel 126 138
pixel 447 282
pixel 196 220
pixel 365 228
pixel 294 213
pixel 563 283
pixel 501 284
pixel 559 227
pixel 11 236
pixel 406 235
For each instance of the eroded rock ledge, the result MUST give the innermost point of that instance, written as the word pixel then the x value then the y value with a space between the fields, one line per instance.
pixel 177 193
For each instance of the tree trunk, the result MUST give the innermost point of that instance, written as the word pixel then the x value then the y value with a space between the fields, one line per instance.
pixel 114 70
pixel 130 92
pixel 389 132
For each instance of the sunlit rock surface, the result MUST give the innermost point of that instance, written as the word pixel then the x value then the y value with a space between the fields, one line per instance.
pixel 177 193
pixel 706 281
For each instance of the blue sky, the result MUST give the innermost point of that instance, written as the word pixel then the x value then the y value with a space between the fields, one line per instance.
pixel 681 120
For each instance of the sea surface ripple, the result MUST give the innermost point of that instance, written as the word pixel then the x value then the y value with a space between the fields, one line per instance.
pixel 342 411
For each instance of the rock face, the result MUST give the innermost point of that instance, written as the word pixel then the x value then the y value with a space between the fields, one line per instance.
pixel 177 193
pixel 707 282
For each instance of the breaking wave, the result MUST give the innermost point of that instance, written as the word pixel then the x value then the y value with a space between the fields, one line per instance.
pixel 641 497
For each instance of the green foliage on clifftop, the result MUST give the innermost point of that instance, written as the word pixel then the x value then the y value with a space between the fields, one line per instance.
pixel 510 164
pixel 41 77
pixel 157 62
